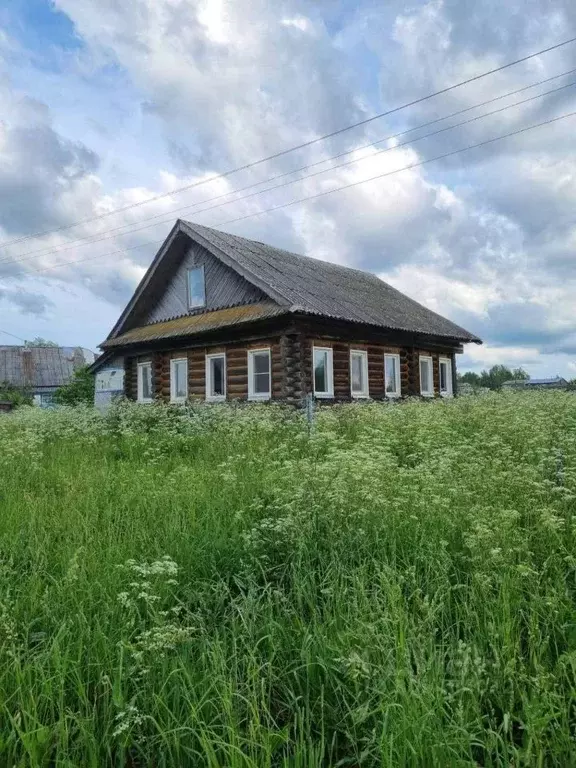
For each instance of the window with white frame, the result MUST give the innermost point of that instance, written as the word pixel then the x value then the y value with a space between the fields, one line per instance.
pixel 392 375
pixel 216 377
pixel 144 382
pixel 445 376
pixel 259 374
pixel 426 376
pixel 358 373
pixel 196 288
pixel 323 372
pixel 179 380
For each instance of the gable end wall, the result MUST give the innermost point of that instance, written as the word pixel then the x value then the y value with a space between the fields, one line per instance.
pixel 224 288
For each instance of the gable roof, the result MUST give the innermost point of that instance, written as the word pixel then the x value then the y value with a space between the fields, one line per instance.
pixel 303 285
pixel 39 367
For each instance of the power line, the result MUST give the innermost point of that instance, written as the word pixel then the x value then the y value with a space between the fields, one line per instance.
pixel 107 234
pixel 13 335
pixel 327 192
pixel 305 144
pixel 406 168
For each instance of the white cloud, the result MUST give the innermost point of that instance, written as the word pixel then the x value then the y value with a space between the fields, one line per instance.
pixel 486 238
pixel 298 22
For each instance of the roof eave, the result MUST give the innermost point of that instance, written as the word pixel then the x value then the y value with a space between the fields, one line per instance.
pixel 468 339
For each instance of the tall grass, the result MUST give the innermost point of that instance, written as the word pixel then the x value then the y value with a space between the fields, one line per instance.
pixel 222 587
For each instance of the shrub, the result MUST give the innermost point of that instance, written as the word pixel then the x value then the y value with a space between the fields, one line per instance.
pixel 80 390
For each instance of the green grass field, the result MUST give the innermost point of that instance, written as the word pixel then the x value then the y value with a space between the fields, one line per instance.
pixel 218 587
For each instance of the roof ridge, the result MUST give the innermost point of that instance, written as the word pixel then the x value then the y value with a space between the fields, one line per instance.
pixel 305 256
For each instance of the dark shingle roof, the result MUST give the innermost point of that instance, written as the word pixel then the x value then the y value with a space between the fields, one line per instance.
pixel 37 367
pixel 319 287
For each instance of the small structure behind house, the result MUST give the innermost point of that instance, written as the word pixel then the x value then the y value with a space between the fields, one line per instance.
pixel 554 383
pixel 109 384
pixel 41 370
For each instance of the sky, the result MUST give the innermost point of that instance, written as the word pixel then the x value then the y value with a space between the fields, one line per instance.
pixel 105 104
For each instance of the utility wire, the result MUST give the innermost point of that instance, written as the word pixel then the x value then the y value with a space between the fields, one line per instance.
pixel 108 233
pixel 13 335
pixel 327 192
pixel 405 168
pixel 305 144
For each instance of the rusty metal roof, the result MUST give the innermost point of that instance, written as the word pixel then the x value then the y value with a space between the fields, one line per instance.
pixel 194 324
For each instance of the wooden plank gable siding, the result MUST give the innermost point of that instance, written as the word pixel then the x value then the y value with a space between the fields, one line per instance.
pixel 224 288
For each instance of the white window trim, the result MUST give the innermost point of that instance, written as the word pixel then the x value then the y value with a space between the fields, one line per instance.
pixel 258 395
pixel 363 354
pixel 192 269
pixel 449 392
pixel 209 397
pixel 329 393
pixel 173 398
pixel 398 382
pixel 426 392
pixel 139 382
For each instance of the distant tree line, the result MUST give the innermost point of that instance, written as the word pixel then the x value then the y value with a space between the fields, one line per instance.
pixel 493 378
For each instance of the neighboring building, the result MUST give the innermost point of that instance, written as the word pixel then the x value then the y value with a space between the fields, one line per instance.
pixel 220 317
pixel 109 384
pixel 41 370
pixel 556 383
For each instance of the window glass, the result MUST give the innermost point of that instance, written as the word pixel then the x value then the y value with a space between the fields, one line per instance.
pixel 359 373
pixel 322 362
pixel 392 374
pixel 426 382
pixel 216 375
pixel 445 377
pixel 145 381
pixel 357 383
pixel 320 370
pixel 259 373
pixel 179 382
pixel 196 288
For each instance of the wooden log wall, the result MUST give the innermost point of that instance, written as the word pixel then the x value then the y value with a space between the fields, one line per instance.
pixel 292 373
pixel 341 366
pixel 130 378
pixel 291 358
pixel 236 369
pixel 409 367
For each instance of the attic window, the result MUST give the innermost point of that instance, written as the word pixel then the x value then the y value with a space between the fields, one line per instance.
pixel 196 288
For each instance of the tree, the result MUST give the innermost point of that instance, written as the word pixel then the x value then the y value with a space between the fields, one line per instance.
pixel 498 374
pixel 470 378
pixel 495 377
pixel 15 395
pixel 40 342
pixel 79 390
